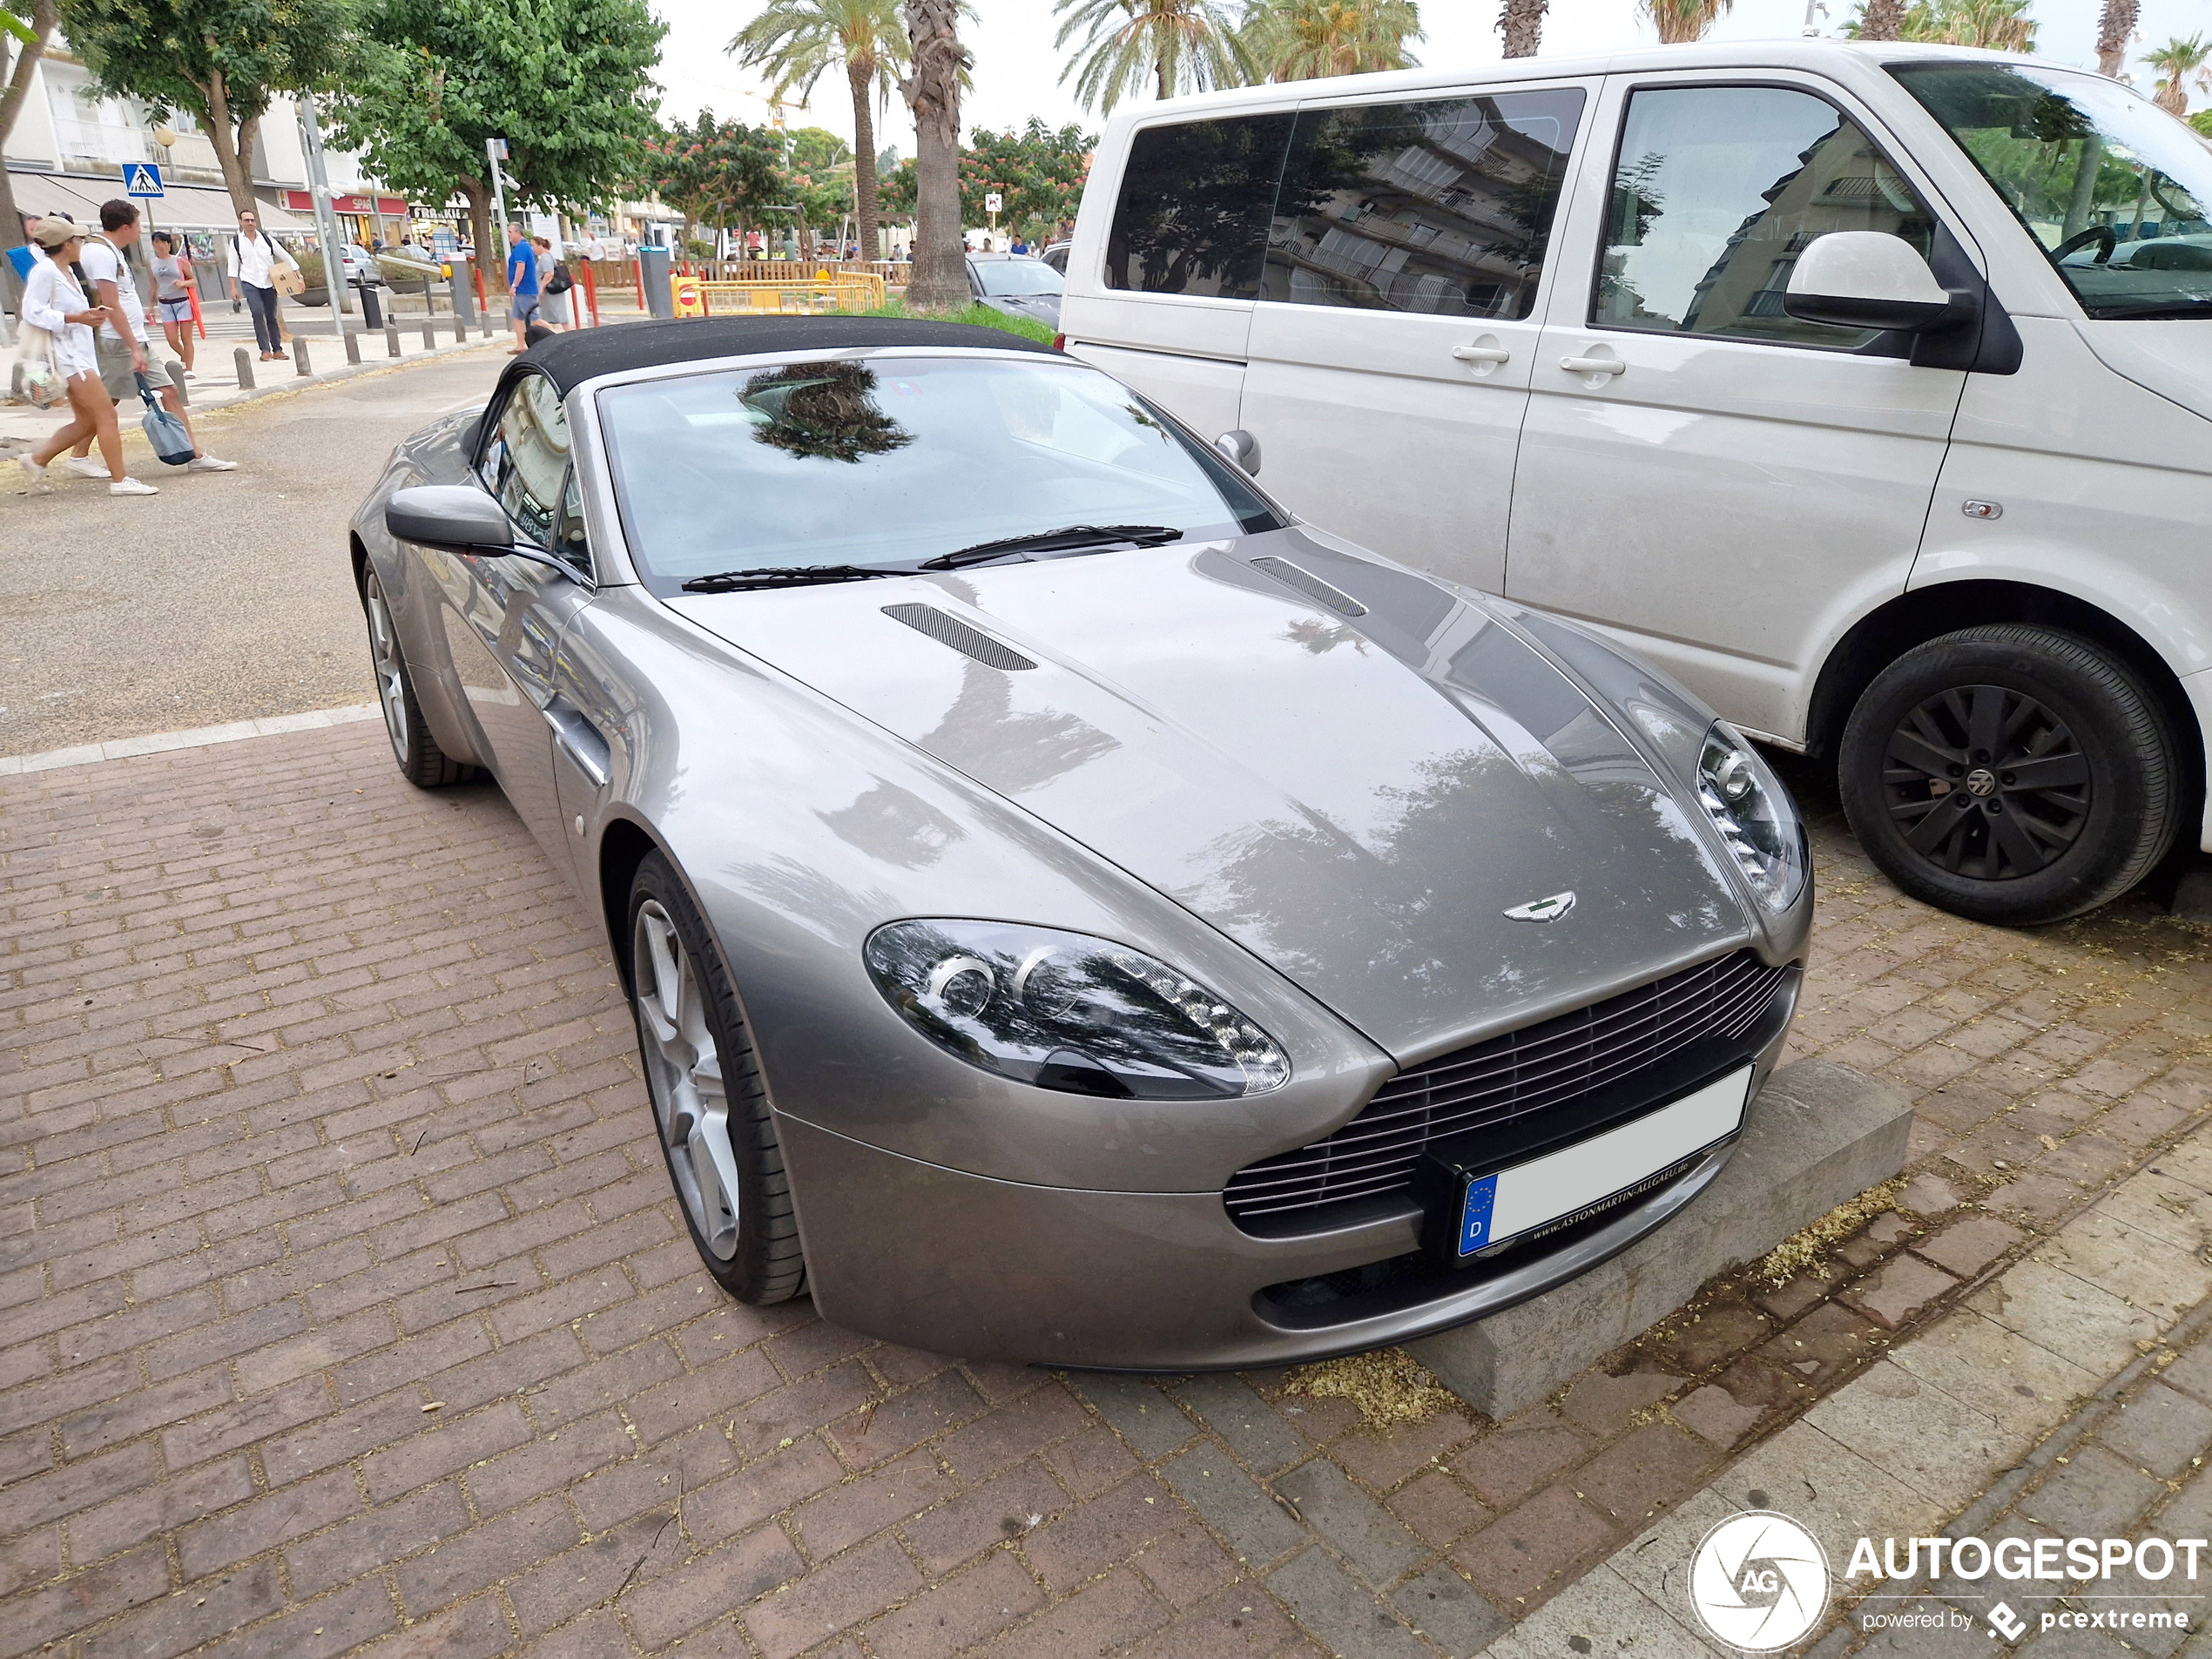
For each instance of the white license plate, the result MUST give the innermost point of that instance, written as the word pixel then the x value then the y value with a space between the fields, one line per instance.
pixel 1500 1207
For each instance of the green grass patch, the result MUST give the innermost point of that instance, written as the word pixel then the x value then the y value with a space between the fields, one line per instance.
pixel 977 316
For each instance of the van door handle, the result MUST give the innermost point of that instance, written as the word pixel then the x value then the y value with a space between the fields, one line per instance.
pixel 579 739
pixel 1593 365
pixel 1482 353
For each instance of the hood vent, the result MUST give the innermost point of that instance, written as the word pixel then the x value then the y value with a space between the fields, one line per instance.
pixel 1292 576
pixel 951 630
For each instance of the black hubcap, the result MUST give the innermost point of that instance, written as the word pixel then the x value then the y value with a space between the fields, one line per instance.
pixel 1986 782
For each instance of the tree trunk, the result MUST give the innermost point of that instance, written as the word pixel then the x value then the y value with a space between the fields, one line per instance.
pixel 932 91
pixel 2112 30
pixel 864 194
pixel 12 101
pixel 1161 71
pixel 478 196
pixel 227 139
pixel 1521 22
pixel 1885 20
pixel 2171 97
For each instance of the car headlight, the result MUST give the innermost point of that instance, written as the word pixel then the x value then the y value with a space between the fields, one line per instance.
pixel 1754 816
pixel 1067 1011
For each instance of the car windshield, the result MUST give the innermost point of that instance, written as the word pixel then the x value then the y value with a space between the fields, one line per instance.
pixel 2116 190
pixel 1001 277
pixel 889 461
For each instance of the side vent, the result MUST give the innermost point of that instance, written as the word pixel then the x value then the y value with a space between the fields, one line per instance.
pixel 1311 586
pixel 951 630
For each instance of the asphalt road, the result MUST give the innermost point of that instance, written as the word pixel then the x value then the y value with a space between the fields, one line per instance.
pixel 226 597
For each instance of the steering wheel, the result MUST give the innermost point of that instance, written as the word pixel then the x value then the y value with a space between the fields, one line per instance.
pixel 2100 234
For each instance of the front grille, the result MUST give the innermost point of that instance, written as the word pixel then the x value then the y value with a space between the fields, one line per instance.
pixel 1508 1077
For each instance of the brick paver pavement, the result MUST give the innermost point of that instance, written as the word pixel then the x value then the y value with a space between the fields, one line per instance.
pixel 344 1307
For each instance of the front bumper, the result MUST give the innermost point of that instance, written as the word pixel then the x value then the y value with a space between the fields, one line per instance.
pixel 937 1259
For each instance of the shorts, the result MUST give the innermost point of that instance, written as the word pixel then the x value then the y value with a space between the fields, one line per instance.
pixel 113 360
pixel 172 310
pixel 522 307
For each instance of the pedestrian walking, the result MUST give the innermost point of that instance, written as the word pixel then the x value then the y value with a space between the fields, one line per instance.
pixel 522 286
pixel 119 344
pixel 255 259
pixel 553 298
pixel 54 299
pixel 174 282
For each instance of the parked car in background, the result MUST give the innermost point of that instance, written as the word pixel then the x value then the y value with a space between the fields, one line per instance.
pixel 1016 284
pixel 1056 256
pixel 1073 912
pixel 1819 374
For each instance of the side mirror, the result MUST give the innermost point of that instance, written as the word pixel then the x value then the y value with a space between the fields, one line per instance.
pixel 458 517
pixel 1867 279
pixel 1242 448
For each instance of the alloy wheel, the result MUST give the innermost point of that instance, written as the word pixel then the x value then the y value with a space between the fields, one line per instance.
pixel 683 1072
pixel 1986 781
pixel 391 672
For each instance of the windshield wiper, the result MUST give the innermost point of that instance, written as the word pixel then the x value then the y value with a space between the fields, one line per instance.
pixel 1052 541
pixel 2152 313
pixel 786 576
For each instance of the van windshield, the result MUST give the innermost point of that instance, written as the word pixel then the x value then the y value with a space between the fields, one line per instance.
pixel 2116 190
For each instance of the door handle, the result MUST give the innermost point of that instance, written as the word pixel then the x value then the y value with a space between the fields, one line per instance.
pixel 1482 353
pixel 1593 365
pixel 579 739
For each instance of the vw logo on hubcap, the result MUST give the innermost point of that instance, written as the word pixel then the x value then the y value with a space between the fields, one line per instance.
pixel 1981 781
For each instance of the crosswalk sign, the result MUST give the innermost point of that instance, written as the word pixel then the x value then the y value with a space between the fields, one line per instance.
pixel 141 178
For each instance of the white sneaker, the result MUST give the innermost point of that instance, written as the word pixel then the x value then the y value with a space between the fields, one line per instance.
pixel 130 487
pixel 85 467
pixel 192 374
pixel 37 473
pixel 208 463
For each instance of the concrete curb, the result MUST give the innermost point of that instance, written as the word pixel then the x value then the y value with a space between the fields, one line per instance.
pixel 1913 1441
pixel 200 737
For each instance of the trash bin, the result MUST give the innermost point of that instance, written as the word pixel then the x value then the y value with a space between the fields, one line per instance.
pixel 653 264
pixel 372 312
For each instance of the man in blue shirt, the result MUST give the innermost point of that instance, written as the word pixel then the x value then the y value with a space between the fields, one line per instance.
pixel 522 285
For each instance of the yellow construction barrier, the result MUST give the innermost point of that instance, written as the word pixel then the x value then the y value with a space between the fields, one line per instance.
pixel 803 296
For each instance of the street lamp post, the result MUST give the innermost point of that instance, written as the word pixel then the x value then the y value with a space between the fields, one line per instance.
pixel 333 253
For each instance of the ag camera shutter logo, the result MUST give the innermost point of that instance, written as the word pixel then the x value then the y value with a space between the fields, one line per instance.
pixel 1759 1581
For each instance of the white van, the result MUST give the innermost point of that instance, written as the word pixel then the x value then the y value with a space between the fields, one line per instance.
pixel 1866 388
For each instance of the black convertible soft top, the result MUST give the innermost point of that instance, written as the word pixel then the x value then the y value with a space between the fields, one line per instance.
pixel 570 358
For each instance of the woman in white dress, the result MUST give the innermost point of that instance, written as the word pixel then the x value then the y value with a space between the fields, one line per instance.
pixel 53 301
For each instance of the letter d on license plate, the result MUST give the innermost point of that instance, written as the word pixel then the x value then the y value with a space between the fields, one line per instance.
pixel 1613 1167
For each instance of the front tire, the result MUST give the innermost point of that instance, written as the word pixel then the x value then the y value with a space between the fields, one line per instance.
pixel 2012 774
pixel 709 1106
pixel 424 764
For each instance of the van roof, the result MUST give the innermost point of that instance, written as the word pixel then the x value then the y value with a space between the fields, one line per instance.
pixel 1783 52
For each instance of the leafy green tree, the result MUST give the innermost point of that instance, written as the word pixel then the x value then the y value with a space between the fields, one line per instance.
pixel 221 60
pixel 818 180
pixel 2203 122
pixel 1304 40
pixel 724 173
pixel 2178 62
pixel 1179 45
pixel 1039 173
pixel 895 189
pixel 31 27
pixel 796 41
pixel 567 83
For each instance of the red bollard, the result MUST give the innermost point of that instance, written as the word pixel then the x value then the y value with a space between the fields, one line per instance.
pixel 591 293
pixel 477 270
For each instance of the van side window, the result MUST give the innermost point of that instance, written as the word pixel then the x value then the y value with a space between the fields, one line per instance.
pixel 1196 197
pixel 1717 190
pixel 1442 206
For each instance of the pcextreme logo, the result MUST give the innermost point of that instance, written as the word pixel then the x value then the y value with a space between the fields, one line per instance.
pixel 1759 1581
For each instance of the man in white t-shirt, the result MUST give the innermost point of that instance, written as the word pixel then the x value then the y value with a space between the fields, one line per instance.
pixel 120 344
pixel 594 249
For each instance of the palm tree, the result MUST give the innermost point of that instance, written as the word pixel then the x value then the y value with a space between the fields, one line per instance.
pixel 1182 45
pixel 1680 21
pixel 795 41
pixel 1885 20
pixel 2117 23
pixel 1521 22
pixel 1304 40
pixel 2178 62
pixel 932 91
pixel 1994 25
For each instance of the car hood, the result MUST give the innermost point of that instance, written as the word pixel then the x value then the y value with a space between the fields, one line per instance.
pixel 1359 800
pixel 2172 357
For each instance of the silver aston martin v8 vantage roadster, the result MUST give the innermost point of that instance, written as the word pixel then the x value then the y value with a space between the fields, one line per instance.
pixel 1075 913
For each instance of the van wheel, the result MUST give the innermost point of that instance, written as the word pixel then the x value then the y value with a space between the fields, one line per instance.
pixel 709 1106
pixel 2009 773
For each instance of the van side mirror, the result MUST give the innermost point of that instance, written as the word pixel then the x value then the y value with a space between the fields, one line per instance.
pixel 458 517
pixel 1242 448
pixel 1867 279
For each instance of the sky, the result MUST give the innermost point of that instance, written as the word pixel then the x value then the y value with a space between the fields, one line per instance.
pixel 1017 68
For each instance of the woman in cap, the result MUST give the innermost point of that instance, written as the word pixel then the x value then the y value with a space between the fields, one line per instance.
pixel 53 301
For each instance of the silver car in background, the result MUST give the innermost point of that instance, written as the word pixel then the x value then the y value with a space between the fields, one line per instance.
pixel 1072 912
